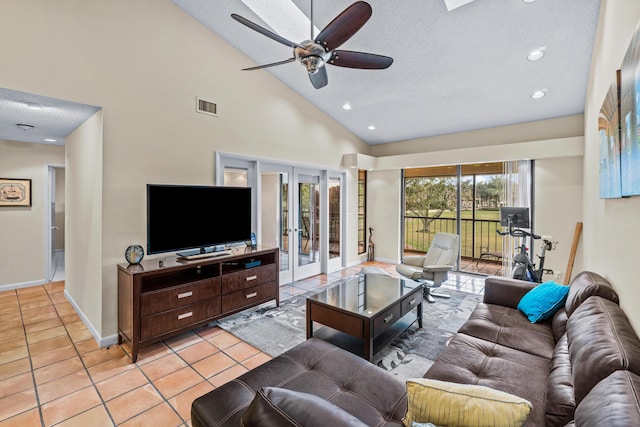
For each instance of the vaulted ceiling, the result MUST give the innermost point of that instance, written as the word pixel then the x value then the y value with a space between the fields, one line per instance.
pixel 454 70
pixel 459 65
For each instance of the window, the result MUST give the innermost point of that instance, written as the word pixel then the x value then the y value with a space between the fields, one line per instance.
pixel 362 211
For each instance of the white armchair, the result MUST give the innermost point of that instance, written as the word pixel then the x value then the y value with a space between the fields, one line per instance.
pixel 434 266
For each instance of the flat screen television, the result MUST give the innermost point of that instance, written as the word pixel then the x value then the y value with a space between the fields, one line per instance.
pixel 183 217
pixel 515 217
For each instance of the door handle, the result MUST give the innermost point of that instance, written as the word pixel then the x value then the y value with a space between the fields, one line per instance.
pixel 55 227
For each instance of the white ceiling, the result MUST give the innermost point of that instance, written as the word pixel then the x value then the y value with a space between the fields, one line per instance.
pixel 51 118
pixel 453 71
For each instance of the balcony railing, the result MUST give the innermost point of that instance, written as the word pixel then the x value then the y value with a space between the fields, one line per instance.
pixel 477 236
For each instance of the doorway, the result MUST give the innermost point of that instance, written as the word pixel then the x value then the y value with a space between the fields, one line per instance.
pixel 55 223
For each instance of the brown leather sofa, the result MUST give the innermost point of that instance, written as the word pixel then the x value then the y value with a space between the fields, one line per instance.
pixel 582 367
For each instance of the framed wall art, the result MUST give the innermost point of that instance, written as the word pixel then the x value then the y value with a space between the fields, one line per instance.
pixel 609 130
pixel 630 118
pixel 15 192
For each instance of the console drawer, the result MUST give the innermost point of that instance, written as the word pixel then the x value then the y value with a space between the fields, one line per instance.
pixel 410 303
pixel 168 321
pixel 250 277
pixel 249 296
pixel 386 319
pixel 179 296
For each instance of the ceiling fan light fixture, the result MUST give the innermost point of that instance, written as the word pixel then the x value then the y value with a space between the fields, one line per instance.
pixel 312 63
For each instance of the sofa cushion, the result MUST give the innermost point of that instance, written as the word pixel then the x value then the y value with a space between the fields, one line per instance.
pixel 470 360
pixel 317 367
pixel 462 405
pixel 611 402
pixel 561 403
pixel 585 285
pixel 543 301
pixel 559 323
pixel 601 341
pixel 509 327
pixel 275 407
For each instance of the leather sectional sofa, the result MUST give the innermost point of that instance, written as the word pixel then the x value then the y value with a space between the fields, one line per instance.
pixel 581 367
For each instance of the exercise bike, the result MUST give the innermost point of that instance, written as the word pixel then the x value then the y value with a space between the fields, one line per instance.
pixel 523 268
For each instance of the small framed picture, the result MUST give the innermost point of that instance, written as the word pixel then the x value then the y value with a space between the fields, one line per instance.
pixel 15 192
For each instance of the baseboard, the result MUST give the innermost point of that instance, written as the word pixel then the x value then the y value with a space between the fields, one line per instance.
pixel 13 286
pixel 102 342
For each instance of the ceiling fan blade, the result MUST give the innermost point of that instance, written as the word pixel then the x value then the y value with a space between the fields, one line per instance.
pixel 344 25
pixel 319 79
pixel 273 64
pixel 368 61
pixel 264 31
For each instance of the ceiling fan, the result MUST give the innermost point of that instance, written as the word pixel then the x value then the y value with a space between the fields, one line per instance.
pixel 315 53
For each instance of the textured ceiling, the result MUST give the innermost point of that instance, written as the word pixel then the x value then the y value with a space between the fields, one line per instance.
pixel 453 71
pixel 51 118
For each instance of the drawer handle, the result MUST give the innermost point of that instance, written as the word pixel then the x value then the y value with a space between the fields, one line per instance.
pixel 412 301
pixel 388 318
pixel 250 278
pixel 185 315
pixel 253 295
pixel 185 294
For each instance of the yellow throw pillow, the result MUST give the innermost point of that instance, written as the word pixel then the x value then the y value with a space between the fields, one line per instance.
pixel 463 405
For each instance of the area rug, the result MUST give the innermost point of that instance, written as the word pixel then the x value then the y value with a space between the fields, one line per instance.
pixel 275 330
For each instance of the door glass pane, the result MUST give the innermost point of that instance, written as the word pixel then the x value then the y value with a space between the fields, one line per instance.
pixel 334 218
pixel 234 177
pixel 308 220
pixel 430 207
pixel 275 221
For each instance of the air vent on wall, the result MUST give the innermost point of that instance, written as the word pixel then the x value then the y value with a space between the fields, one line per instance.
pixel 206 107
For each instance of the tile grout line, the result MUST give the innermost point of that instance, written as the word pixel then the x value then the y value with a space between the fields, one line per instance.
pixel 33 372
pixel 86 370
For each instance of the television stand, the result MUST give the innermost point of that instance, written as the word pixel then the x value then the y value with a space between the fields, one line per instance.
pixel 158 300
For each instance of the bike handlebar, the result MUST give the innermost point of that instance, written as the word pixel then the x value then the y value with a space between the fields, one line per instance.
pixel 518 232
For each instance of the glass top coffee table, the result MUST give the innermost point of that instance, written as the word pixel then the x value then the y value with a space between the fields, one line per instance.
pixel 370 308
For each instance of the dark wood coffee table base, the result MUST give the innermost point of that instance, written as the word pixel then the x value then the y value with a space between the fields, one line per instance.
pixel 374 332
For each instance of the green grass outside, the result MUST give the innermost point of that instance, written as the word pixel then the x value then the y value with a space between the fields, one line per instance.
pixel 487 240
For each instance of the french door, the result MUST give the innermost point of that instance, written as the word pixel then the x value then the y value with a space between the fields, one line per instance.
pixel 290 218
pixel 297 209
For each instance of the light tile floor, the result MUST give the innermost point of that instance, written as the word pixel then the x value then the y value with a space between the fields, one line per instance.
pixel 52 371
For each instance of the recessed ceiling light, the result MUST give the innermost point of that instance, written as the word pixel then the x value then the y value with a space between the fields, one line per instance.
pixel 50 140
pixel 346 106
pixel 371 127
pixel 528 1
pixel 538 94
pixel 536 54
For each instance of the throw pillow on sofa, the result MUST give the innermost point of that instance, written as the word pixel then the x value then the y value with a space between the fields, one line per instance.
pixel 462 405
pixel 274 406
pixel 543 301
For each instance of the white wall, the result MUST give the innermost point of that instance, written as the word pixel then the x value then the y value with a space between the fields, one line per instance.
pixel 23 230
pixel 144 62
pixel 84 221
pixel 611 227
pixel 383 213
pixel 558 205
